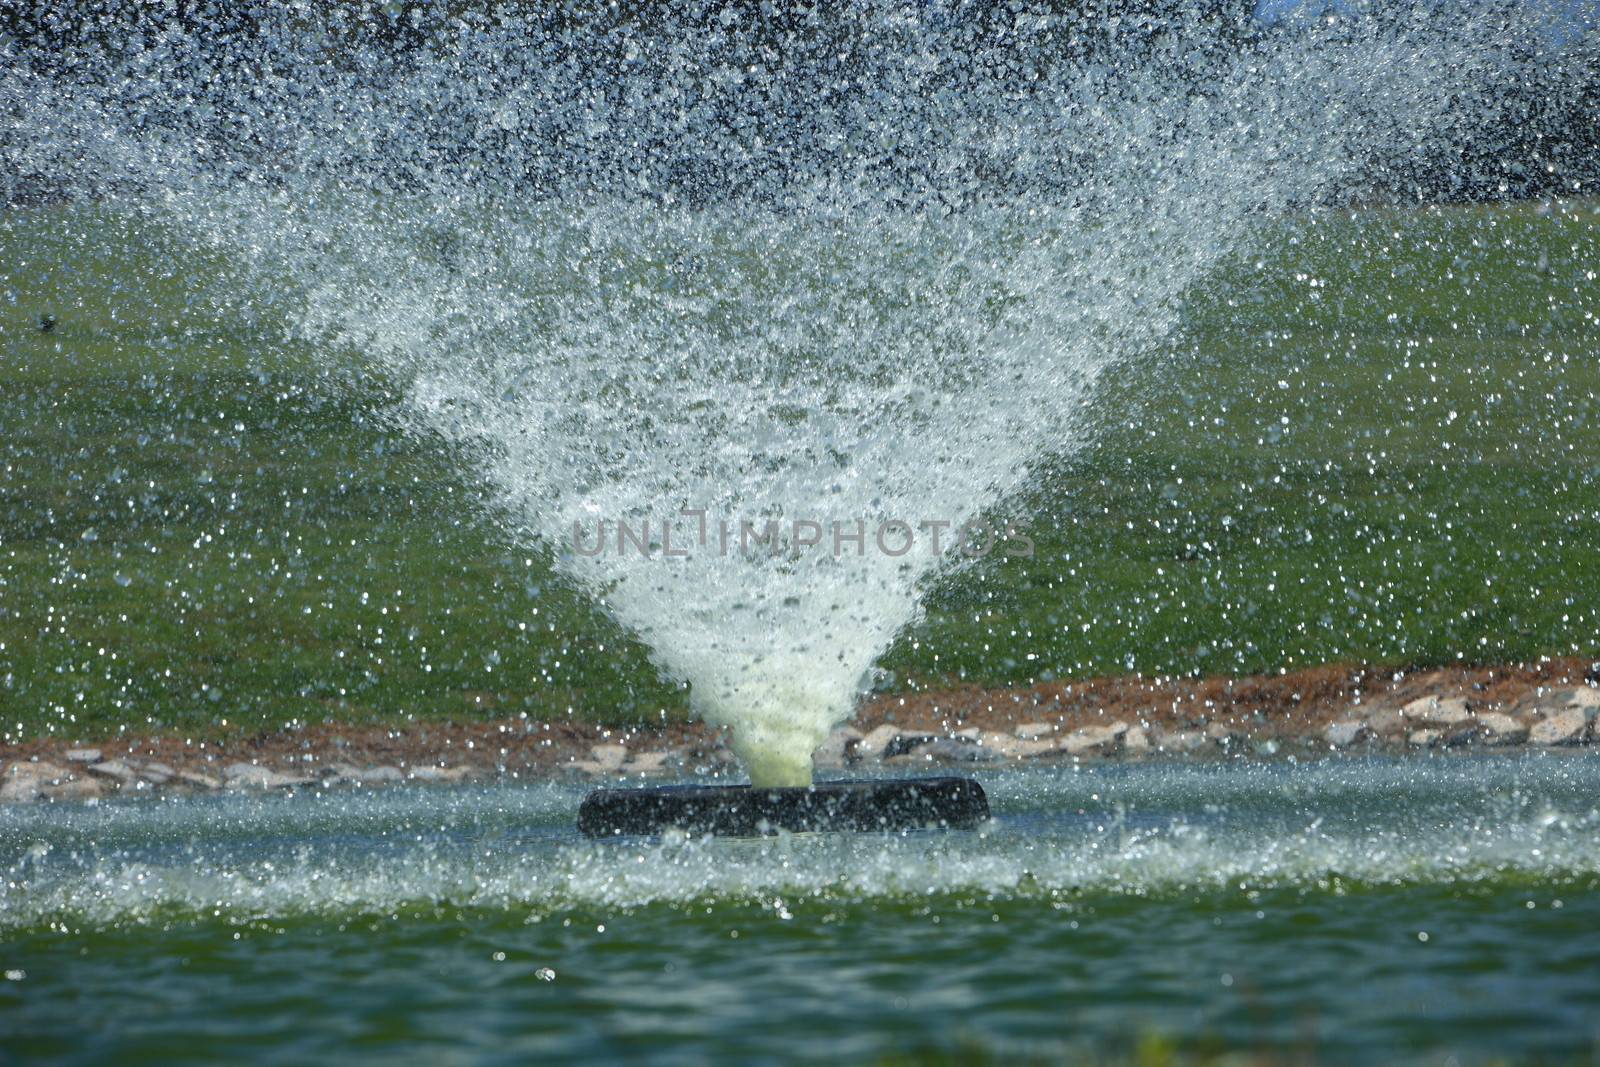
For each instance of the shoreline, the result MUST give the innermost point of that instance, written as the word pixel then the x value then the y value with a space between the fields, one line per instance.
pixel 1316 711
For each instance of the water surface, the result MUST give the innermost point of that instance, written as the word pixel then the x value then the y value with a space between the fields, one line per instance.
pixel 1364 910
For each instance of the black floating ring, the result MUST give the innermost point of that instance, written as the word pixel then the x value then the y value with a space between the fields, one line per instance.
pixel 747 811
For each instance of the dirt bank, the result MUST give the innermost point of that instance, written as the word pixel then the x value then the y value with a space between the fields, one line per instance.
pixel 1551 703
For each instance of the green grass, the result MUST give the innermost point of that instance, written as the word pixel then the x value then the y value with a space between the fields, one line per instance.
pixel 1400 463
pixel 1391 466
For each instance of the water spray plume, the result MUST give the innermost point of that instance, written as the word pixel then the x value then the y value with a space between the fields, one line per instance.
pixel 707 266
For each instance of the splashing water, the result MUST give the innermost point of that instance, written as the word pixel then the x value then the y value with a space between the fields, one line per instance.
pixel 1145 830
pixel 754 321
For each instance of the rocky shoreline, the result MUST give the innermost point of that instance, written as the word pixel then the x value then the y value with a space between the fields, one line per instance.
pixel 1322 711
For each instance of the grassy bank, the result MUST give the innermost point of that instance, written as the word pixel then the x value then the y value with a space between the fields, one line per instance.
pixel 1377 441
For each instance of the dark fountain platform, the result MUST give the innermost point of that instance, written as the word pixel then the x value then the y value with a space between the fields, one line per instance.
pixel 946 803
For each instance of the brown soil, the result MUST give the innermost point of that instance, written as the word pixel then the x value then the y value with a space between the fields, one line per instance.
pixel 1286 706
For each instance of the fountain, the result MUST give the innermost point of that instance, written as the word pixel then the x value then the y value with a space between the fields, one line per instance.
pixel 756 321
pixel 753 325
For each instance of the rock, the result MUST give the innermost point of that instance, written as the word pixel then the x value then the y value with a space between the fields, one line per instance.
pixel 1012 747
pixel 27 781
pixel 1435 712
pixel 255 776
pixel 199 778
pixel 1387 722
pixel 971 733
pixel 1586 697
pixel 74 788
pixel 22 782
pixel 1223 734
pixel 872 745
pixel 1497 728
pixel 1136 742
pixel 838 748
pixel 1567 727
pixel 610 757
pixel 1544 700
pixel 383 773
pixel 951 750
pixel 1181 741
pixel 904 744
pixel 996 741
pixel 115 769
pixel 1094 740
pixel 652 762
pixel 1033 731
pixel 1346 733
pixel 157 773
pixel 443 774
pixel 82 755
pixel 1424 738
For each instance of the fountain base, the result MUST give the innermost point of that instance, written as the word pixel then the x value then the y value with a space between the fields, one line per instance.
pixel 747 811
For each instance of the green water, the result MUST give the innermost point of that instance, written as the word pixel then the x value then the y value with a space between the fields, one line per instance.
pixel 1355 911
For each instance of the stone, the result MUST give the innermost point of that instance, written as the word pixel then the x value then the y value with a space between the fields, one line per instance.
pixel 1224 734
pixel 1451 711
pixel 652 762
pixel 255 776
pixel 1136 742
pixel 1387 722
pixel 382 773
pixel 1346 733
pixel 77 787
pixel 82 755
pixel 115 769
pixel 157 773
pixel 1033 731
pixel 1566 727
pixel 199 778
pixel 1181 741
pixel 428 773
pixel 22 782
pixel 1424 738
pixel 1094 740
pixel 1009 747
pixel 1497 728
pixel 902 744
pixel 971 733
pixel 1586 697
pixel 951 750
pixel 838 749
pixel 610 757
pixel 25 781
pixel 877 739
pixel 997 741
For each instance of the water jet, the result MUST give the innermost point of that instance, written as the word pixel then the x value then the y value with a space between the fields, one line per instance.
pixel 860 273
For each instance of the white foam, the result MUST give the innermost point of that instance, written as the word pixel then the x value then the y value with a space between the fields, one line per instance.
pixel 1144 830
